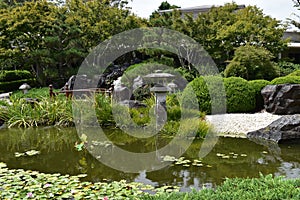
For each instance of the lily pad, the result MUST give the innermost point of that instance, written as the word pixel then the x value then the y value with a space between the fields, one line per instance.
pixel 2 165
pixel 225 157
pixel 32 152
pixel 168 158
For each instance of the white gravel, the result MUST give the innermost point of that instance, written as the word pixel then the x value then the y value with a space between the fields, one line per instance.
pixel 237 125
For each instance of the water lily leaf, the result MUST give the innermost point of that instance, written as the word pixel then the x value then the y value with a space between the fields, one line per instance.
pixel 32 152
pixel 82 175
pixel 2 165
pixel 17 154
pixel 168 158
pixel 197 161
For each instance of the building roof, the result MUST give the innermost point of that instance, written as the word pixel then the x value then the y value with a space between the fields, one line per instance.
pixel 196 9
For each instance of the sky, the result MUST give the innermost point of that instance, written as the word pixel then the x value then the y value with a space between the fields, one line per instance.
pixel 279 9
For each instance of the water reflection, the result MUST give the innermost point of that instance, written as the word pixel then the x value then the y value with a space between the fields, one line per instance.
pixel 58 154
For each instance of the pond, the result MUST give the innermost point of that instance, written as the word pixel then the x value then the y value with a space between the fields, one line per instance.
pixel 230 157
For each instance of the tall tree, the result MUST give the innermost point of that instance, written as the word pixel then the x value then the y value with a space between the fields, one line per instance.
pixel 53 40
pixel 223 29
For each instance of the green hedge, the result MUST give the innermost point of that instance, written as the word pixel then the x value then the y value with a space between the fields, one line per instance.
pixel 295 73
pixel 239 95
pixel 286 79
pixel 14 85
pixel 257 86
pixel 14 75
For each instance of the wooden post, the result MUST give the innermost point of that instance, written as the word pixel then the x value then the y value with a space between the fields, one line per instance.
pixel 51 93
pixel 68 93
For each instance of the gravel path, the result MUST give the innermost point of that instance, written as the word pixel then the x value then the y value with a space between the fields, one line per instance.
pixel 237 125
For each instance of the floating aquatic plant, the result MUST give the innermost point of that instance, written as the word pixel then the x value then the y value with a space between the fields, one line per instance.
pixel 27 153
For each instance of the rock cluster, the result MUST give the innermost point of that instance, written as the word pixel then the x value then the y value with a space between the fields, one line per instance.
pixel 282 99
pixel 284 128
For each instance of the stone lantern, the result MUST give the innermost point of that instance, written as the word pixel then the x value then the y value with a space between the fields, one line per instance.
pixel 160 93
pixel 24 87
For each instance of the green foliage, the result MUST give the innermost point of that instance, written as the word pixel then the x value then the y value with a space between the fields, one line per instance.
pixel 264 187
pixel 103 110
pixel 14 85
pixel 141 69
pixel 295 73
pixel 208 90
pixel 43 112
pixel 257 86
pixel 52 40
pixel 239 95
pixel 284 68
pixel 14 75
pixel 251 63
pixel 35 185
pixel 11 80
pixel 285 80
pixel 166 6
pixel 223 29
pixel 187 128
pixel 35 93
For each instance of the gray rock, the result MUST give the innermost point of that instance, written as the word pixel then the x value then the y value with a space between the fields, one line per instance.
pixel 121 93
pixel 283 99
pixel 284 128
pixel 137 82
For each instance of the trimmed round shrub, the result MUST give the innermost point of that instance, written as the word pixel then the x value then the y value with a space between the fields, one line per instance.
pixel 257 86
pixel 295 73
pixel 251 63
pixel 239 95
pixel 199 88
pixel 286 80
pixel 208 91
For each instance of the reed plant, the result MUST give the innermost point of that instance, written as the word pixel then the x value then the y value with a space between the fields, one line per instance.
pixel 45 111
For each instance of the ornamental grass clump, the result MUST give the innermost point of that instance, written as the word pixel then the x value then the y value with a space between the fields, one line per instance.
pixel 45 111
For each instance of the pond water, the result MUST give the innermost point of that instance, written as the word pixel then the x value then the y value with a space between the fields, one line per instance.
pixel 230 157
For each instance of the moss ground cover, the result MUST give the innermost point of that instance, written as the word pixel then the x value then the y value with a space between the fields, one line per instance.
pixel 21 184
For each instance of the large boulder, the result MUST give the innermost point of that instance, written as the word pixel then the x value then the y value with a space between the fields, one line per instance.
pixel 283 99
pixel 284 128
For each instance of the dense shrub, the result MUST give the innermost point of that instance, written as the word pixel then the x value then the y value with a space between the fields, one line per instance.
pixel 284 68
pixel 251 63
pixel 13 75
pixel 42 113
pixel 286 79
pixel 295 73
pixel 257 86
pixel 239 95
pixel 264 187
pixel 207 90
pixel 14 85
pixel 141 69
